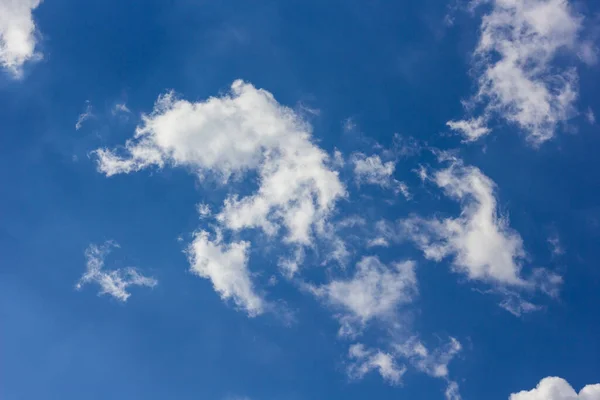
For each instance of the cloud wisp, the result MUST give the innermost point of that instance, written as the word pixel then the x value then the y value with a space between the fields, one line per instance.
pixel 115 282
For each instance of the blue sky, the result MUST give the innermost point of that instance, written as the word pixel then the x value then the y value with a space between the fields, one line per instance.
pixel 299 200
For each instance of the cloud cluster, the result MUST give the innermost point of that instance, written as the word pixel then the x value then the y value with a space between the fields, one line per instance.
pixel 113 283
pixel 225 138
pixel 246 130
pixel 17 34
pixel 554 388
pixel 518 77
pixel 390 364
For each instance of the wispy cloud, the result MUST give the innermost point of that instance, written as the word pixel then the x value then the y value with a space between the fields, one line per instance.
pixel 87 114
pixel 114 282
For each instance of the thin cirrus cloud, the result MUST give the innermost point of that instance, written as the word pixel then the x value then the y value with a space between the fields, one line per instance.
pixel 517 74
pixel 226 137
pixel 84 116
pixel 17 34
pixel 555 388
pixel 115 282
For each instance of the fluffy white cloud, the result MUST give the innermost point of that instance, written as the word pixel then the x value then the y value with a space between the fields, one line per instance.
pixel 554 388
pixel 480 242
pixel 375 291
pixel 483 245
pixel 116 282
pixel 373 171
pixel 226 265
pixel 518 78
pixel 229 136
pixel 364 360
pixel 17 34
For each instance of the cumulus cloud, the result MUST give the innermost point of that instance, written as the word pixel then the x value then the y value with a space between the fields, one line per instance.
pixel 373 171
pixel 226 265
pixel 245 130
pixel 375 291
pixel 17 34
pixel 554 388
pixel 363 360
pixel 481 242
pixel 518 77
pixel 113 283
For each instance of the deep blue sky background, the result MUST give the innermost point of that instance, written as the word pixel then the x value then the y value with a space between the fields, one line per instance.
pixel 393 67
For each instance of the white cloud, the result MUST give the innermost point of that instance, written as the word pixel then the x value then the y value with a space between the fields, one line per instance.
pixel 432 363
pixel 452 392
pixel 365 360
pixel 371 170
pixel 590 116
pixel 226 265
pixel 472 129
pixel 87 114
pixel 555 245
pixel 554 388
pixel 378 242
pixel 17 34
pixel 204 210
pixel 516 305
pixel 375 291
pixel 483 245
pixel 228 136
pixel 518 79
pixel 116 282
